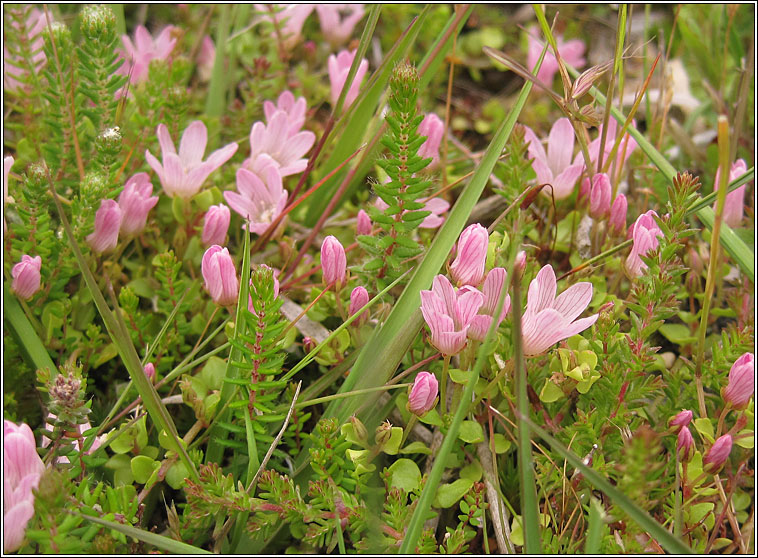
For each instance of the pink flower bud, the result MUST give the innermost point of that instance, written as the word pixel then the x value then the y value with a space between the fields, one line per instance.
pixel 433 128
pixel 358 299
pixel 519 264
pixel 617 220
pixel 363 223
pixel 600 196
pixel 26 276
pixel 468 266
pixel 333 261
pixel 645 233
pixel 150 371
pixel 423 394
pixel 220 276
pixel 741 384
pixel 107 224
pixel 681 419
pixel 716 457
pixel 685 445
pixel 734 205
pixel 135 203
pixel 216 224
pixel 308 344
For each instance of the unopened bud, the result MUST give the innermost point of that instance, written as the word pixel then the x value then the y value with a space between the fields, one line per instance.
pixel 308 344
pixel 363 223
pixel 681 419
pixel 361 434
pixel 586 79
pixel 716 457
pixel 741 383
pixel 150 371
pixel 358 299
pixel 423 394
pixel 383 434
pixel 519 264
pixel 685 445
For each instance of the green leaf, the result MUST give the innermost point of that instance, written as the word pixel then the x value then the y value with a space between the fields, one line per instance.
pixel 176 475
pixel 595 527
pixel 143 467
pixel 431 417
pixel 416 447
pixel 459 376
pixel 405 474
pixel 472 471
pixel 748 442
pixel 550 392
pixel 678 334
pixel 449 494
pixel 393 444
pixel 502 444
pixel 696 512
pixel 705 427
pixel 471 432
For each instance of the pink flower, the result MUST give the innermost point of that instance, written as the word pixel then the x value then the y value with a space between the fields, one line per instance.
pixel 645 233
pixel 138 55
pixel 716 457
pixel 449 314
pixel 107 225
pixel 273 142
pixel 493 286
pixel 333 261
pixel 617 220
pixel 682 418
pixel 548 319
pixel 26 276
pixel 290 19
pixel 338 20
pixel 685 445
pixel 216 224
pixel 358 299
pixel 437 206
pixel 183 174
pixel 22 469
pixel 258 201
pixel 471 255
pixel 555 167
pixel 571 53
pixel 220 276
pixel 423 394
pixel 149 370
pixel 294 109
pixel 626 147
pixel 339 67
pixel 206 58
pixel 734 205
pixel 363 223
pixel 14 74
pixel 741 384
pixel 600 196
pixel 433 128
pixel 135 202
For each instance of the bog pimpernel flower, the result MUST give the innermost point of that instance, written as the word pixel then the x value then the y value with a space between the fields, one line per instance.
pixel 338 20
pixel 448 313
pixel 137 55
pixel 741 382
pixel 220 276
pixel 339 67
pixel 422 394
pixel 471 256
pixel 26 276
pixel 107 225
pixel 136 201
pixel 734 205
pixel 493 286
pixel 274 142
pixel 183 174
pixel 645 233
pixel 293 108
pixel 570 51
pixel 216 224
pixel 259 201
pixel 554 167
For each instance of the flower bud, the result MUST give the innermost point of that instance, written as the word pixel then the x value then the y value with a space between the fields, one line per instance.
pixel 586 79
pixel 135 203
pixel 685 445
pixel 383 434
pixel 617 220
pixel 216 224
pixel 423 394
pixel 519 264
pixel 26 276
pixel 361 434
pixel 363 223
pixel 471 255
pixel 358 299
pixel 308 344
pixel 333 261
pixel 680 420
pixel 741 384
pixel 150 371
pixel 220 276
pixel 716 457
pixel 107 224
pixel 600 196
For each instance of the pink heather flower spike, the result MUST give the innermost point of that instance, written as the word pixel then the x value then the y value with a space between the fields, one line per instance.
pixel 555 167
pixel 107 225
pixel 183 174
pixel 685 445
pixel 449 314
pixel 205 59
pixel 600 196
pixel 362 223
pixel 548 319
pixel 138 55
pixel 433 128
pixel 258 201
pixel 290 18
pixel 617 220
pixel 358 299
pixel 22 469
pixel 734 205
pixel 571 52
pixel 716 457
pixel 423 394
pixel 333 262
pixel 681 419
pixel 136 201
pixel 339 67
pixel 338 21
pixel 741 384
pixel 216 224
pixel 13 75
pixel 471 255
pixel 645 233
pixel 295 110
pixel 275 141
pixel 220 276
pixel 493 286
pixel 26 276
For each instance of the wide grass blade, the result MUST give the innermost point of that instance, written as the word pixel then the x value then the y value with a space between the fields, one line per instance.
pixel 24 333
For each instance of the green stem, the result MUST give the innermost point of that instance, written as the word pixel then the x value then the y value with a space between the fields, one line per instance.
pixel 443 385
pixel 348 394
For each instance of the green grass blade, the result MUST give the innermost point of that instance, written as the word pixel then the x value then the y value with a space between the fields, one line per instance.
pixel 668 541
pixel 158 541
pixel 214 104
pixel 595 528
pixel 24 333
